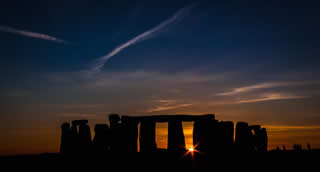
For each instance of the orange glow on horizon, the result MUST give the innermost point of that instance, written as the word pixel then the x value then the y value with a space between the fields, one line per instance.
pixel 162 134
pixel 26 140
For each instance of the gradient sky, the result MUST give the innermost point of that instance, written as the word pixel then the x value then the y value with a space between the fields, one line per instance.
pixel 241 60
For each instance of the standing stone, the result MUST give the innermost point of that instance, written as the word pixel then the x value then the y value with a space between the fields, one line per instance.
pixel 101 141
pixel 176 141
pixel 263 137
pixel 205 134
pixel 225 136
pixel 116 139
pixel 147 136
pixel 84 138
pixel 81 138
pixel 65 138
pixel 196 135
pixel 243 134
pixel 259 138
pixel 130 133
pixel 114 120
pixel 74 139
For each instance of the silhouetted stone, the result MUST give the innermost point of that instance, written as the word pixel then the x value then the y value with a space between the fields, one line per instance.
pixel 114 120
pixel 225 135
pixel 205 134
pixel 130 133
pixel 101 141
pixel 116 140
pixel 84 135
pixel 74 139
pixel 176 141
pixel 65 146
pixel 259 139
pixel 79 122
pixel 196 134
pixel 209 135
pixel 147 136
pixel 242 141
pixel 263 140
pixel 251 138
pixel 80 140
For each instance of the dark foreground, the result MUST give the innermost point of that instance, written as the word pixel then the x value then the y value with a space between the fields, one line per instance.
pixel 165 161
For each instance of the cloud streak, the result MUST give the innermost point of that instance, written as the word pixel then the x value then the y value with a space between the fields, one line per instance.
pixel 269 97
pixel 32 34
pixel 167 104
pixel 256 87
pixel 144 36
pixel 166 107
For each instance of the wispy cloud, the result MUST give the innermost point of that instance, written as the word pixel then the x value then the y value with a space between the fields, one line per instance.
pixel 32 34
pixel 144 36
pixel 167 107
pixel 257 86
pixel 165 101
pixel 104 79
pixel 269 97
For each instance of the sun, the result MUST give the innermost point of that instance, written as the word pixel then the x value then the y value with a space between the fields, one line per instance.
pixel 191 149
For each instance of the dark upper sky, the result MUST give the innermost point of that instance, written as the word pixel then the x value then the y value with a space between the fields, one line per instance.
pixel 243 60
pixel 222 36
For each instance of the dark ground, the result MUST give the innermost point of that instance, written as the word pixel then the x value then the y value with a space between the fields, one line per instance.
pixel 269 161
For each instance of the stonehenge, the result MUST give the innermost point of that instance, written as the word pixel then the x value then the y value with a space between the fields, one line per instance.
pixel 124 132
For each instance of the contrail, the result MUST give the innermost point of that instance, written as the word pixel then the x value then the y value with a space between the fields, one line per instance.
pixel 32 34
pixel 144 36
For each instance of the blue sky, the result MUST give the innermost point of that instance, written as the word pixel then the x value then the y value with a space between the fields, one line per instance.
pixel 242 60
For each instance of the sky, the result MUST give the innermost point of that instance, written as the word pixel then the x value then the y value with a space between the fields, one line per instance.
pixel 254 61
